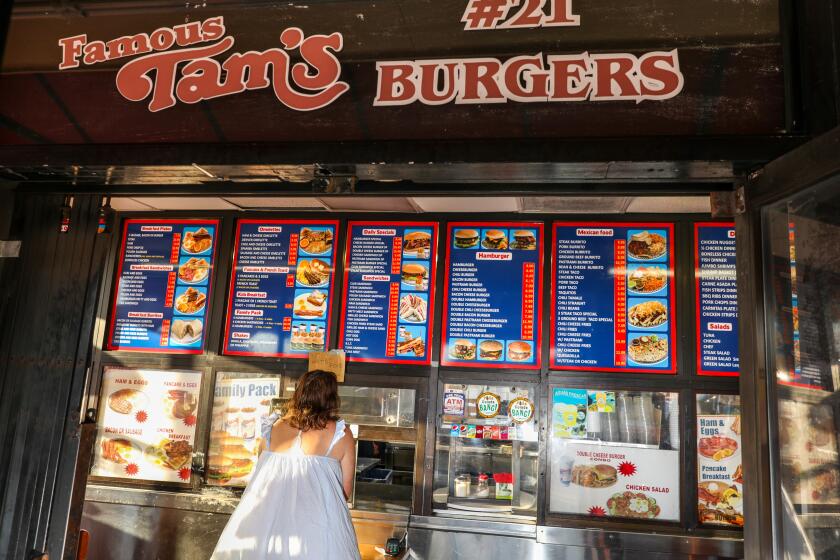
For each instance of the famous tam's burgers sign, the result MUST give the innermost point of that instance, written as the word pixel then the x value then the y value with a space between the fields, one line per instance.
pixel 198 61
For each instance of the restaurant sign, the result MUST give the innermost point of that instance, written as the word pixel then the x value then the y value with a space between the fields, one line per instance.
pixel 179 63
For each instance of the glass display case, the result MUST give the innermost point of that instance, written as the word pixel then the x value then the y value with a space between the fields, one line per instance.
pixel 486 456
pixel 615 454
pixel 383 421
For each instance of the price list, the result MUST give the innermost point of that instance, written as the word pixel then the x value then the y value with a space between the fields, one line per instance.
pixel 163 288
pixel 613 297
pixel 281 288
pixel 389 284
pixel 716 293
pixel 493 294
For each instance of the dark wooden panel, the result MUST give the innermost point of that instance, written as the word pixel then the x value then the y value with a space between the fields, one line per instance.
pixel 45 347
pixel 730 54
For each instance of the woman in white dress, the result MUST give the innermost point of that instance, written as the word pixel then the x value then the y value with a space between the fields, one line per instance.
pixel 295 506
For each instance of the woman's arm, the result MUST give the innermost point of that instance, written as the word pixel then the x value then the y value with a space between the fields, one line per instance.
pixel 348 462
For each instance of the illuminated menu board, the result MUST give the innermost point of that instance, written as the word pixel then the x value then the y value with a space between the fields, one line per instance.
pixel 389 291
pixel 613 297
pixel 281 288
pixel 493 295
pixel 716 298
pixel 162 292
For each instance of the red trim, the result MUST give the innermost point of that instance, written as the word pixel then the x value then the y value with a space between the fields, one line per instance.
pixel 803 385
pixel 537 310
pixel 109 345
pixel 672 298
pixel 432 288
pixel 231 290
pixel 696 249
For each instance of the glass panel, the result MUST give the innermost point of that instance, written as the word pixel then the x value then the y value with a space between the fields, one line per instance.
pixel 615 453
pixel 370 406
pixel 720 483
pixel 486 459
pixel 802 235
pixel 240 402
pixel 384 476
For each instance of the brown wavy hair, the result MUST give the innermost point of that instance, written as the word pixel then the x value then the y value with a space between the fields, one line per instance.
pixel 315 401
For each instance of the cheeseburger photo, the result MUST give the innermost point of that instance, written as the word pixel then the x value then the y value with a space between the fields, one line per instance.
pixel 524 239
pixel 463 350
pixel 228 458
pixel 495 239
pixel 490 350
pixel 417 243
pixel 466 238
pixel 519 351
pixel 414 274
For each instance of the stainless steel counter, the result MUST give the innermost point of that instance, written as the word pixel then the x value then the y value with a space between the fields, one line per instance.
pixel 451 538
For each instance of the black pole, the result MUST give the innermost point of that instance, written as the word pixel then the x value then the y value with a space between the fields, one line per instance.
pixel 5 18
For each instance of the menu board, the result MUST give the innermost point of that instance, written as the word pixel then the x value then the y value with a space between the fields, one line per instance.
pixel 720 484
pixel 389 289
pixel 716 297
pixel 493 295
pixel 240 404
pixel 162 292
pixel 281 288
pixel 613 297
pixel 146 428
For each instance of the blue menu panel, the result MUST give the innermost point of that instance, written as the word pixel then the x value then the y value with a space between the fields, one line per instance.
pixel 716 296
pixel 162 293
pixel 389 291
pixel 613 297
pixel 493 298
pixel 281 288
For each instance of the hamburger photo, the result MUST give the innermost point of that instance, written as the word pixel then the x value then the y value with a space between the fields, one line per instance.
pixel 495 239
pixel 490 350
pixel 519 351
pixel 466 238
pixel 228 462
pixel 594 476
pixel 417 243
pixel 414 274
pixel 463 350
pixel 524 239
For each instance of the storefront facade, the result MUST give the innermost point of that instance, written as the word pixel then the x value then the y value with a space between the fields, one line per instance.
pixel 546 237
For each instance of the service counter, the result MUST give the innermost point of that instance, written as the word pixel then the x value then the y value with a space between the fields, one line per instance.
pixel 517 389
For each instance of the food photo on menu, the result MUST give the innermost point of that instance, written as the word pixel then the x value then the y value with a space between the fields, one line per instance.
pixel 316 240
pixel 313 273
pixel 197 241
pixel 417 243
pixel 147 425
pixel 411 341
pixel 194 270
pixel 415 276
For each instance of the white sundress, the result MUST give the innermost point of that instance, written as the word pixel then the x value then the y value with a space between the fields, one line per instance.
pixel 292 509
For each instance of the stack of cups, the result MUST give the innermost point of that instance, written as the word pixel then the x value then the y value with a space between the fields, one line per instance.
pixel 626 425
pixel 673 420
pixel 609 426
pixel 647 423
